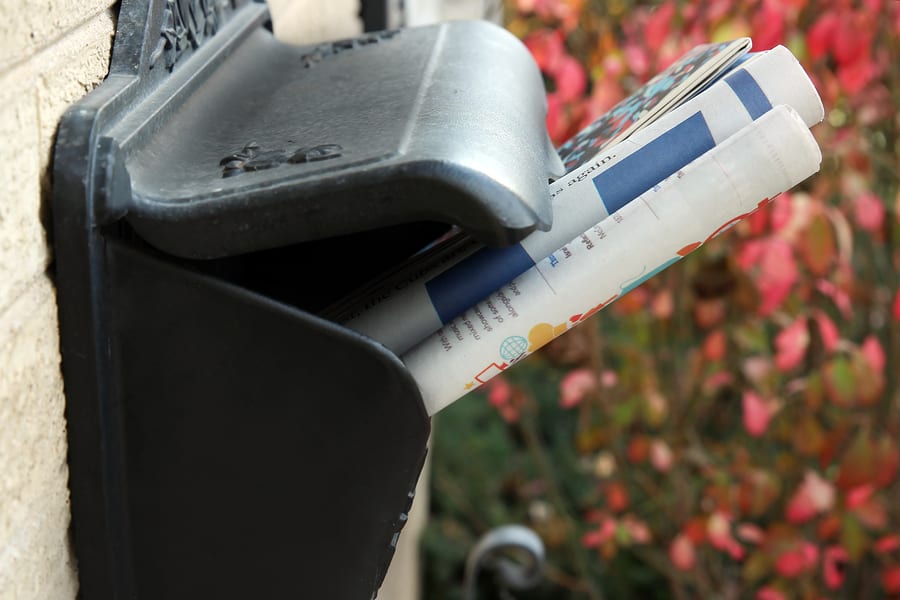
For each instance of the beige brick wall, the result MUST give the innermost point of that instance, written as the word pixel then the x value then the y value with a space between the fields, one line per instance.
pixel 51 53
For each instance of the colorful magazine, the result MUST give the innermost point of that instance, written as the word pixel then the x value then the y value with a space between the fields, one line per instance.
pixel 683 79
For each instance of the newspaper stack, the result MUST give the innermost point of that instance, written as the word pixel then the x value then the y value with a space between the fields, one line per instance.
pixel 700 147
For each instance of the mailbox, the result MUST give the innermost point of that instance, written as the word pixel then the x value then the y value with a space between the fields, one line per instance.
pixel 210 197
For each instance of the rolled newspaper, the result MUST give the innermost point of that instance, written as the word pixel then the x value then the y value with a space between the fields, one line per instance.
pixel 408 310
pixel 766 157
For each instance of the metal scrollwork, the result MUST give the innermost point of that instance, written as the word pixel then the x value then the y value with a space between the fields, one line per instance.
pixel 186 24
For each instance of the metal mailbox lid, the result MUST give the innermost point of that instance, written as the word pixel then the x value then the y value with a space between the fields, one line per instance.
pixel 251 143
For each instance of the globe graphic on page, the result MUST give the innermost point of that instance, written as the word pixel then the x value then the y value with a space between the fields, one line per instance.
pixel 513 347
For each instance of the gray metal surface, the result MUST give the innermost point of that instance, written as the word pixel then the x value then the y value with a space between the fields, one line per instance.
pixel 267 143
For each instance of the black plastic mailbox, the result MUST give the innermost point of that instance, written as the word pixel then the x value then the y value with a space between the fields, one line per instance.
pixel 214 192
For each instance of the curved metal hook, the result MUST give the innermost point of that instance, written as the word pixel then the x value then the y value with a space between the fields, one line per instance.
pixel 492 551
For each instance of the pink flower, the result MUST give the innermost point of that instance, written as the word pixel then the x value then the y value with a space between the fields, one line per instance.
pixel 819 36
pixel 661 456
pixel 852 39
pixel 609 378
pixel 638 531
pixel 606 93
pixel 682 553
pixel 790 344
pixel 499 391
pixel 855 76
pixel 616 497
pixel 814 495
pixel 750 533
pixel 656 408
pixel 557 120
pixel 895 312
pixel 570 78
pixel 598 537
pixel 890 579
pixel 662 306
pixel 756 368
pixel 575 386
pixel 501 396
pixel 874 353
pixel 872 514
pixel 782 211
pixel 717 380
pixel 777 270
pixel 827 330
pixel 769 593
pixel 637 60
pixel 834 566
pixel 859 495
pixel 546 47
pixel 735 550
pixel 778 273
pixel 718 530
pixel 838 295
pixel 869 212
pixel 658 25
pixel 768 25
pixel 715 345
pixel 758 412
pixel 797 560
pixel 866 506
pixel 887 544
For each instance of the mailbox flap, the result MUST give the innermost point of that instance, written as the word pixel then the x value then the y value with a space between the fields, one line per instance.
pixel 248 143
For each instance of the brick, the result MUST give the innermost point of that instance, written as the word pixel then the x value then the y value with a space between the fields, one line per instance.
pixel 32 440
pixel 23 250
pixel 23 32
pixel 36 563
pixel 34 510
pixel 67 71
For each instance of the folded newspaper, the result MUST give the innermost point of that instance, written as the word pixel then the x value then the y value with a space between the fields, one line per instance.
pixel 698 148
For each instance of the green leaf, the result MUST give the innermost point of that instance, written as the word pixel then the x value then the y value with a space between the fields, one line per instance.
pixel 817 245
pixel 757 566
pixel 853 538
pixel 840 382
pixel 625 413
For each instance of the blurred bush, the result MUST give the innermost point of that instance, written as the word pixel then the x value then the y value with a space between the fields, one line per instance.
pixel 730 428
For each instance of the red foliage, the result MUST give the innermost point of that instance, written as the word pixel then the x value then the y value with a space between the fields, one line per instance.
pixel 575 386
pixel 758 412
pixel 890 579
pixel 777 434
pixel 834 566
pixel 773 260
pixel 797 559
pixel 682 553
pixel 813 496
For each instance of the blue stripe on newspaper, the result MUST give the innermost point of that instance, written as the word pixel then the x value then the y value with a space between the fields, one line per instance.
pixel 477 276
pixel 641 170
pixel 486 271
pixel 749 92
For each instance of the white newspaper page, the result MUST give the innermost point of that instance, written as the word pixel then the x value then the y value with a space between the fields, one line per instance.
pixel 401 316
pixel 771 155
